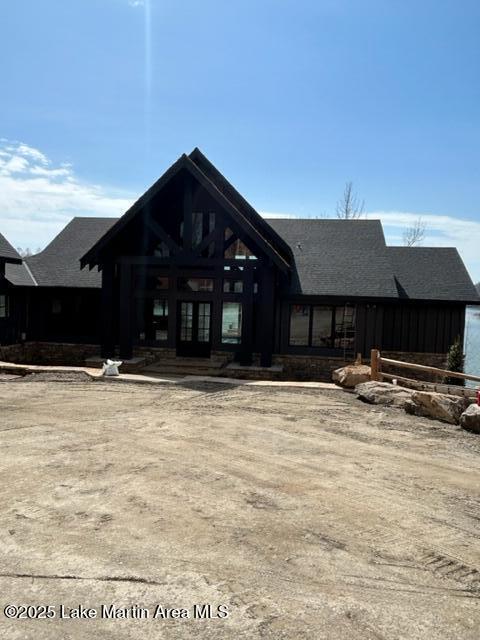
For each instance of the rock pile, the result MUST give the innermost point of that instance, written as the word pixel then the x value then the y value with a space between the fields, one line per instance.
pixel 351 375
pixel 438 406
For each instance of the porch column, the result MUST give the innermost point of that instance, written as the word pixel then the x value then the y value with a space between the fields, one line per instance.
pixel 107 345
pixel 267 315
pixel 125 320
pixel 247 318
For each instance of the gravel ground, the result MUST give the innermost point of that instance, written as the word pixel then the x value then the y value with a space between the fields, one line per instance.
pixel 305 512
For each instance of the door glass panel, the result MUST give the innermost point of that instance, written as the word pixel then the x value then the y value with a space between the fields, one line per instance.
pixel 203 322
pixel 186 322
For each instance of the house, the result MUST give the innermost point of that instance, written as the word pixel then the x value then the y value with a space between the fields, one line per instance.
pixel 191 270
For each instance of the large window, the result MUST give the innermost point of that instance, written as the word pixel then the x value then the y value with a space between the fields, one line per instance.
pixel 322 326
pixel 3 306
pixel 231 323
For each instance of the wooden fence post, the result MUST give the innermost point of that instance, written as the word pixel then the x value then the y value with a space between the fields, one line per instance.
pixel 375 364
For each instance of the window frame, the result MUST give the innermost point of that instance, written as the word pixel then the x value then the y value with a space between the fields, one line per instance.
pixel 223 339
pixel 311 306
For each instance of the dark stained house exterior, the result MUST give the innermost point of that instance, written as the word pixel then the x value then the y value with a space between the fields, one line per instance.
pixel 192 269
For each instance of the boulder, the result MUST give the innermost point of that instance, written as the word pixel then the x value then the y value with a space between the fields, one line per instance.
pixel 470 418
pixel 438 406
pixel 351 375
pixel 383 393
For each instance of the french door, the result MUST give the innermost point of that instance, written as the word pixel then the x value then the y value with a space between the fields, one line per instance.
pixel 194 332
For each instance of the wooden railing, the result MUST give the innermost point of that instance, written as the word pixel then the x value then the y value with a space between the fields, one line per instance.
pixel 376 362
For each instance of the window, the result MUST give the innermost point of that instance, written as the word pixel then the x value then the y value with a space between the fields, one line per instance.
pixel 195 284
pixel 202 225
pixel 299 325
pixel 231 323
pixel 3 306
pixel 237 250
pixel 160 319
pixel 233 286
pixel 322 326
pixel 161 250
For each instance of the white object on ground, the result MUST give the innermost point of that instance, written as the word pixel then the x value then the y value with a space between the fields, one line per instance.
pixel 110 367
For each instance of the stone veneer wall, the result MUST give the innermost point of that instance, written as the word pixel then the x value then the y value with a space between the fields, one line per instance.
pixel 48 353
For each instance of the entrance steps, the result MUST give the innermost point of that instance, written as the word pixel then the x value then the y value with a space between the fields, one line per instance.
pixel 177 366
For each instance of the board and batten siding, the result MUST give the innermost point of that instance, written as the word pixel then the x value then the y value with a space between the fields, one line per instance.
pixel 414 327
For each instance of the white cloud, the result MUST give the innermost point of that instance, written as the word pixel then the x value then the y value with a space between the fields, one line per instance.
pixel 136 3
pixel 37 198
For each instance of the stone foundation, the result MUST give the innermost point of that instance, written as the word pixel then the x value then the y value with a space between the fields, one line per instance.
pixel 48 353
pixel 292 367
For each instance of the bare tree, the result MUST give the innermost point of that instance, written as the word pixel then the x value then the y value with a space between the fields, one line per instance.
pixel 350 207
pixel 25 253
pixel 415 234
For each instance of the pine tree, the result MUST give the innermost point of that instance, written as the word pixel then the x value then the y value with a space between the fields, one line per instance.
pixel 455 361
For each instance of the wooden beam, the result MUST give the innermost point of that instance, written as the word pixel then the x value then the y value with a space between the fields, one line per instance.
pixel 162 235
pixel 205 242
pixel 246 350
pixel 187 214
pixel 267 311
pixel 125 320
pixel 421 367
pixel 438 387
pixel 107 347
pixel 375 364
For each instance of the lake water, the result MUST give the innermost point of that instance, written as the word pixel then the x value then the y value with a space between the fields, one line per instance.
pixel 472 342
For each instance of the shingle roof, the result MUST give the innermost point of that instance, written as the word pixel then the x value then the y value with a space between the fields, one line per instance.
pixel 7 252
pixel 58 265
pixel 345 258
pixel 338 257
pixel 432 273
pixel 19 275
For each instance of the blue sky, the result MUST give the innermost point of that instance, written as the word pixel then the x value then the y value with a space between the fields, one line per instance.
pixel 290 99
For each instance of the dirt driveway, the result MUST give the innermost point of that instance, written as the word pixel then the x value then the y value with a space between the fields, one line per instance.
pixel 305 513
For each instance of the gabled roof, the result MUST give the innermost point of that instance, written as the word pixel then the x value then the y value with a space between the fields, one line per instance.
pixel 236 198
pixel 58 265
pixel 346 258
pixel 432 273
pixel 8 253
pixel 252 223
